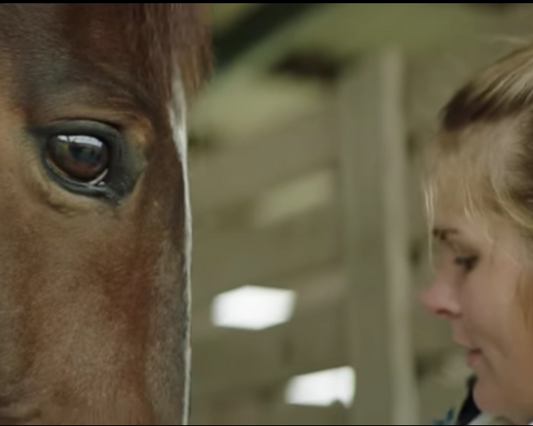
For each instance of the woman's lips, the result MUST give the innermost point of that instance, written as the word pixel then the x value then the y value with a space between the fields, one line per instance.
pixel 473 356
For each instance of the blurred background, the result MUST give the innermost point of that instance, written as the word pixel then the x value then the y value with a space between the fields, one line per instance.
pixel 310 240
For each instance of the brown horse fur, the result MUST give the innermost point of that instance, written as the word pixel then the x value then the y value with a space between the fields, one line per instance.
pixel 94 309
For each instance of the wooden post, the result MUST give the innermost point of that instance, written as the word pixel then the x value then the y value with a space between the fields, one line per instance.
pixel 373 163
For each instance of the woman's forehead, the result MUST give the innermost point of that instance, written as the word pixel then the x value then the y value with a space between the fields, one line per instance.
pixel 466 185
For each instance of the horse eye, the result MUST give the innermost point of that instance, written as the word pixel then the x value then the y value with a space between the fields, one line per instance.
pixel 79 157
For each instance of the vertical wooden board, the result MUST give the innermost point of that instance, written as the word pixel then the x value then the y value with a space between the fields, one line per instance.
pixel 373 161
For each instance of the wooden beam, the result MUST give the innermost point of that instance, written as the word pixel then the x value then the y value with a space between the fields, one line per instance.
pixel 376 244
pixel 254 28
pixel 243 172
pixel 284 414
pixel 231 259
pixel 260 408
pixel 237 360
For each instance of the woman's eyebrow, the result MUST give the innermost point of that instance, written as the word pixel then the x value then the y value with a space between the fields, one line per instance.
pixel 443 233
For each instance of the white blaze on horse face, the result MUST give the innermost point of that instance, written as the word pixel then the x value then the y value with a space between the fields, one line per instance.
pixel 177 114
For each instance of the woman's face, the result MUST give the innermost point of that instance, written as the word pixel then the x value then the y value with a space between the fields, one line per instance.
pixel 477 285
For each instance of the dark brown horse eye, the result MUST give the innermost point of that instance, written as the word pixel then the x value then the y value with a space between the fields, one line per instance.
pixel 79 157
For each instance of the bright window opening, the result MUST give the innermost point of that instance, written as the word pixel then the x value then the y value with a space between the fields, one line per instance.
pixel 253 308
pixel 322 388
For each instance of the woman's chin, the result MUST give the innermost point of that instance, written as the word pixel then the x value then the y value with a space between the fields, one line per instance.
pixel 488 397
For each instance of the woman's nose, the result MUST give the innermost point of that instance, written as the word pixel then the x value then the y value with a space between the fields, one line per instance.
pixel 440 299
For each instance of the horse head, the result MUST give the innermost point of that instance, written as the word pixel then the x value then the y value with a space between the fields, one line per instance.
pixel 94 215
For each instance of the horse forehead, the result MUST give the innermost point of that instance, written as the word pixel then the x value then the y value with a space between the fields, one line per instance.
pixel 123 38
pixel 66 21
pixel 50 25
pixel 88 45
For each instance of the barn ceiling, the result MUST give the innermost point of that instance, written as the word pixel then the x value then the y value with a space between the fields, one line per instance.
pixel 276 62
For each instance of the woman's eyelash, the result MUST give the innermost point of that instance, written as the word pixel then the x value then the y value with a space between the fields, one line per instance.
pixel 467 262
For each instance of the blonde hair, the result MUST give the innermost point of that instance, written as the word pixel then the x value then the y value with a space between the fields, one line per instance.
pixel 483 157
